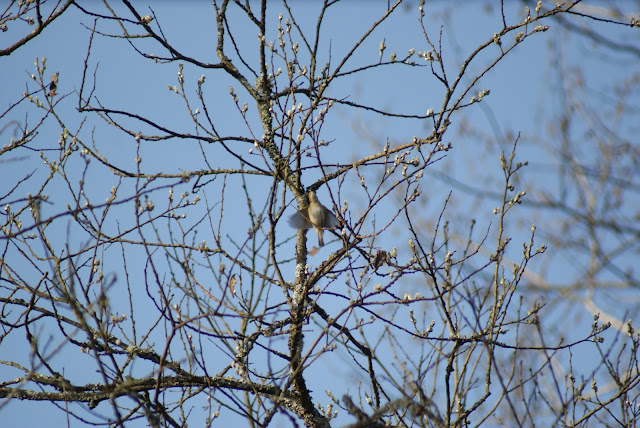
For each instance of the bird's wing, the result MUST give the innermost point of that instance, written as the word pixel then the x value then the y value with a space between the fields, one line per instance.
pixel 330 220
pixel 299 221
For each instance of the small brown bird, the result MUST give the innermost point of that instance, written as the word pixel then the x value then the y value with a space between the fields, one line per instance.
pixel 54 84
pixel 315 216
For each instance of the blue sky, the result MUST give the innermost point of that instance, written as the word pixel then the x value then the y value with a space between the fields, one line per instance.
pixel 521 97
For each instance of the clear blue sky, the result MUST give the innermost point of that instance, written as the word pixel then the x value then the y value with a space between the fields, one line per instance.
pixel 520 95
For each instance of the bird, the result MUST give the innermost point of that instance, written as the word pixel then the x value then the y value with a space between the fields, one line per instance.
pixel 315 216
pixel 54 84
